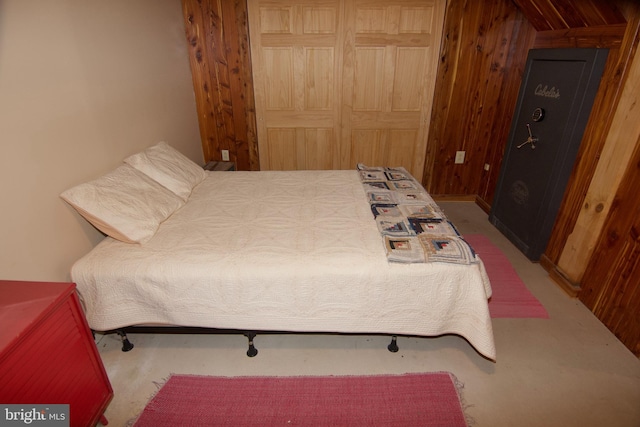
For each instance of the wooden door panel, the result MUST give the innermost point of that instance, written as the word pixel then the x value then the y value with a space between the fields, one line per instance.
pixel 318 79
pixel 275 20
pixel 344 81
pixel 368 90
pixel 408 80
pixel 319 20
pixel 319 148
pixel 402 146
pixel 296 53
pixel 299 148
pixel 367 147
pixel 388 146
pixel 278 68
pixel 282 152
pixel 371 19
pixel 385 120
pixel 417 20
pixel 389 81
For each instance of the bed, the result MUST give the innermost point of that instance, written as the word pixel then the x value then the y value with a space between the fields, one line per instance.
pixel 291 251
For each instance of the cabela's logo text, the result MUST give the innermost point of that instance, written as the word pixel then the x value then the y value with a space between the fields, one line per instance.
pixel 546 92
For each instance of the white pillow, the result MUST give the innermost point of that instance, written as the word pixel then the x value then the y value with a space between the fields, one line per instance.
pixel 169 167
pixel 124 204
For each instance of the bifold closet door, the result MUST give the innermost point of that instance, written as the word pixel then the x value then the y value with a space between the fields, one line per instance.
pixel 345 81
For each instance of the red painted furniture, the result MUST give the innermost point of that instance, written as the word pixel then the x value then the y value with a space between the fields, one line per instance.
pixel 47 352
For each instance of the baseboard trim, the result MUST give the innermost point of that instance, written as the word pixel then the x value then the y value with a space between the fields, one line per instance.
pixel 572 289
pixel 483 205
pixel 452 198
pixel 463 198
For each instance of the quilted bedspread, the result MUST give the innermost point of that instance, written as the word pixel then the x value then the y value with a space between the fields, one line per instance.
pixel 284 251
pixel 413 227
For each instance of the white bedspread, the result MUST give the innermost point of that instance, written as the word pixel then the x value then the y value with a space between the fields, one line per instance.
pixel 285 251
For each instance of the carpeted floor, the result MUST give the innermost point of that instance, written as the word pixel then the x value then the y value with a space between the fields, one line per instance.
pixel 511 298
pixel 424 399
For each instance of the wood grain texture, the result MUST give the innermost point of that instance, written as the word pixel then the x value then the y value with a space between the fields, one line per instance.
pixel 218 40
pixel 603 36
pixel 461 121
pixel 611 284
pixel 339 82
pixel 481 62
pixel 549 15
pixel 236 25
pixel 194 19
pixel 613 159
pixel 575 204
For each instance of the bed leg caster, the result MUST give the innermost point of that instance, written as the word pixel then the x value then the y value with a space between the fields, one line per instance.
pixel 126 344
pixel 393 346
pixel 252 351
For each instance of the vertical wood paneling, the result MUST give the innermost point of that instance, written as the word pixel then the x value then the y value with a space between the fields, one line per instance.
pixel 194 17
pixel 217 35
pixel 611 285
pixel 510 61
pixel 484 51
pixel 236 30
pixel 578 206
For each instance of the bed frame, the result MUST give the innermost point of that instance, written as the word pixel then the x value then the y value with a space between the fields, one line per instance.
pixel 252 351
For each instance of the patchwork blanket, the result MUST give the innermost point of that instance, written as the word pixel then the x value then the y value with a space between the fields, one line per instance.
pixel 413 228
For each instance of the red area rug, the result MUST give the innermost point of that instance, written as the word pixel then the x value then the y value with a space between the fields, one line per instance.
pixel 511 298
pixel 383 400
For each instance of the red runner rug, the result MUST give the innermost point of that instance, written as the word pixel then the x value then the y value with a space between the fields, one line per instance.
pixel 383 400
pixel 511 298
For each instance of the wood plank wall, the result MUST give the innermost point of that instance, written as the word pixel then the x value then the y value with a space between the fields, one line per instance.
pixel 217 33
pixel 483 54
pixel 461 123
pixel 611 285
pixel 621 40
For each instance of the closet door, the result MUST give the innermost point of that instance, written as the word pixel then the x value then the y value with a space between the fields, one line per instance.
pixel 390 66
pixel 296 53
pixel 344 81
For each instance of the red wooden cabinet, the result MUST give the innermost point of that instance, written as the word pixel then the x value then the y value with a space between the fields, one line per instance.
pixel 47 352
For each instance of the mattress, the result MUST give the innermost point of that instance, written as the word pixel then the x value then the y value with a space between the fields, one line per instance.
pixel 295 251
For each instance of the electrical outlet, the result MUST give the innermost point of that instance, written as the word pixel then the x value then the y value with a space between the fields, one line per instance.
pixel 225 155
pixel 459 157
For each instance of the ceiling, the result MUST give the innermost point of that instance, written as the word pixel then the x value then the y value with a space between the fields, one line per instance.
pixel 547 15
